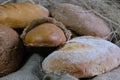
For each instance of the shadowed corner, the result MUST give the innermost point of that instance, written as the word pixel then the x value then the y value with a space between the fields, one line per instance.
pixel 42 51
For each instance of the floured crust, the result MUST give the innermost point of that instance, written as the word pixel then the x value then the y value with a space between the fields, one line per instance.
pixel 80 20
pixel 84 57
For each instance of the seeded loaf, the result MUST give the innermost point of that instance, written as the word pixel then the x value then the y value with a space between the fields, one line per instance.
pixel 83 57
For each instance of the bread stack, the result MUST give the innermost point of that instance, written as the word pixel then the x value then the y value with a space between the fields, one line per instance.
pixel 16 16
pixel 80 56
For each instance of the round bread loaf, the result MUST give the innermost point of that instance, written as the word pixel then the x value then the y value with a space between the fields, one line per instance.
pixel 83 57
pixel 10 50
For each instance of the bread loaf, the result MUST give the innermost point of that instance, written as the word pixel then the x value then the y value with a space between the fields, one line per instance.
pixel 19 15
pixel 29 71
pixel 11 50
pixel 46 32
pixel 83 57
pixel 80 20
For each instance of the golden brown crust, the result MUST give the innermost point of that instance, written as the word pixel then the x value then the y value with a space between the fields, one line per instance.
pixel 19 15
pixel 46 34
pixel 35 24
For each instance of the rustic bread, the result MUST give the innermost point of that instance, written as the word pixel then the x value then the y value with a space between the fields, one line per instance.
pixel 11 50
pixel 46 32
pixel 29 71
pixel 19 15
pixel 80 20
pixel 83 57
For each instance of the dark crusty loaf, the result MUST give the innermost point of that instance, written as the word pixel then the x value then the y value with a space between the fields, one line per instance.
pixel 10 50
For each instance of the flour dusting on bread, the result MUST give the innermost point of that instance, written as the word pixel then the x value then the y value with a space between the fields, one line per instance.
pixel 83 57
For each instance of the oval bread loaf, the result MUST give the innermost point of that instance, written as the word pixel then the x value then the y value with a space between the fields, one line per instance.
pixel 19 15
pixel 83 57
pixel 80 20
pixel 46 32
